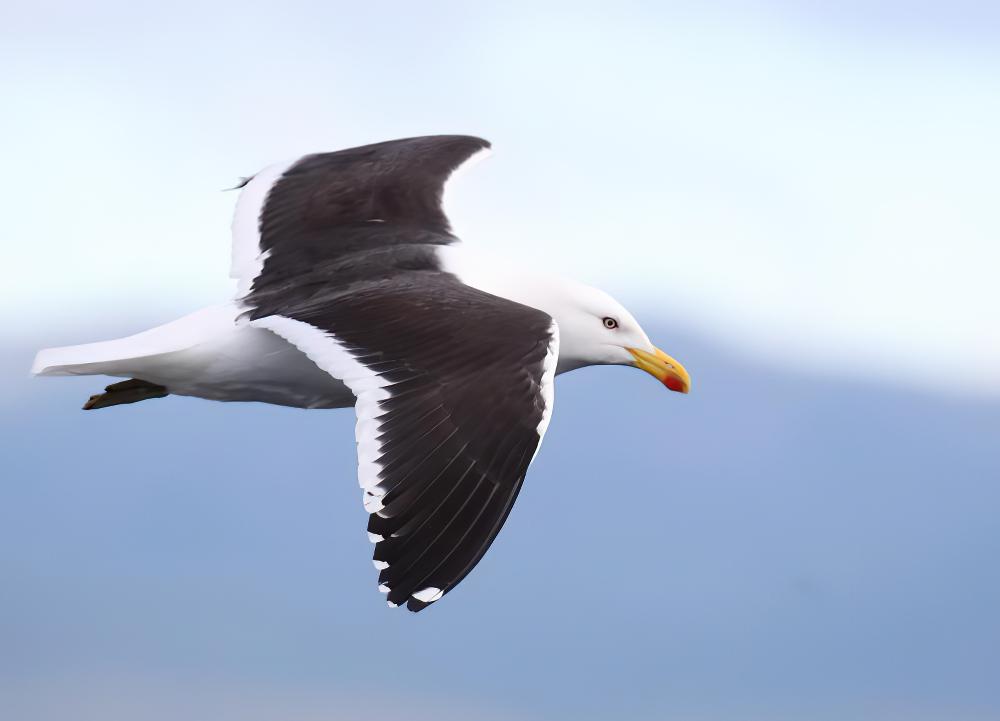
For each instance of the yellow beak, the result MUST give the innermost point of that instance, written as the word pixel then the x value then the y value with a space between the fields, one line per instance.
pixel 664 368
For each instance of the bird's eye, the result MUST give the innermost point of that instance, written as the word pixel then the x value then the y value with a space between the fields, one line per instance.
pixel 610 323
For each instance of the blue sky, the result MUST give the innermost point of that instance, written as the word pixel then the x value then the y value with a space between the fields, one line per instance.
pixel 798 203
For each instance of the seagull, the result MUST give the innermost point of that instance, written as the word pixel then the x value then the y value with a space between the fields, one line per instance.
pixel 353 290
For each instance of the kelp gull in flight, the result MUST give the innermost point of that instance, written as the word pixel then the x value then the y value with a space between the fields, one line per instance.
pixel 353 291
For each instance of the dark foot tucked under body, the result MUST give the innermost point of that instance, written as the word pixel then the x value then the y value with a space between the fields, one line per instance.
pixel 130 391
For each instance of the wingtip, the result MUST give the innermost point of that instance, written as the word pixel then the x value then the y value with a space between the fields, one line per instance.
pixel 415 606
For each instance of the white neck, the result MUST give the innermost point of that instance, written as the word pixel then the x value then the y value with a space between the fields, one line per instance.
pixel 548 293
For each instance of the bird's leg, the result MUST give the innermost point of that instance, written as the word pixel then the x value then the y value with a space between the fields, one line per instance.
pixel 130 391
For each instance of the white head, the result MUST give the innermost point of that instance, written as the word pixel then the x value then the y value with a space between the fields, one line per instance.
pixel 594 328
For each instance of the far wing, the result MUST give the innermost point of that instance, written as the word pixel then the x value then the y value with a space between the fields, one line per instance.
pixel 321 207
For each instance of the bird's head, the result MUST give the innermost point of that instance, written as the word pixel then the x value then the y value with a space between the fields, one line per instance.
pixel 595 329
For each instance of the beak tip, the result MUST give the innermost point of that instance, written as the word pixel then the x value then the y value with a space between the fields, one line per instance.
pixel 675 384
pixel 662 367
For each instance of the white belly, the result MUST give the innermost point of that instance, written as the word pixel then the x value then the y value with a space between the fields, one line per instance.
pixel 247 364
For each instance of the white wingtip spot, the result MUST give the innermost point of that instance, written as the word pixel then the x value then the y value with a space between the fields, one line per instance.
pixel 382 588
pixel 379 565
pixel 429 594
pixel 374 537
pixel 390 604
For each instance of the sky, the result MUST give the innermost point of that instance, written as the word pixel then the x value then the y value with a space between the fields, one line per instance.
pixel 797 202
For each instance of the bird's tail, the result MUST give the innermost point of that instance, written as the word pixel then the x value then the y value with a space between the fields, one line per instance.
pixel 138 356
pixel 90 359
pixel 126 357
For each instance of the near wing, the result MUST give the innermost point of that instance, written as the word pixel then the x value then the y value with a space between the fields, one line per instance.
pixel 454 391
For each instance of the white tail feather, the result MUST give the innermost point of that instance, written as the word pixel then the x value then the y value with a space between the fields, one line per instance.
pixel 116 357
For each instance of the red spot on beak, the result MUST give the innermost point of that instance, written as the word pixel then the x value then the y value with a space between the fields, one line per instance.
pixel 673 384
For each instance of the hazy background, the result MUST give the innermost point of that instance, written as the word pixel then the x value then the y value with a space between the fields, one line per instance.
pixel 798 203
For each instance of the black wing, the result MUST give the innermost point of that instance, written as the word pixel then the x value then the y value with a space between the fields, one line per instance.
pixel 465 386
pixel 330 209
